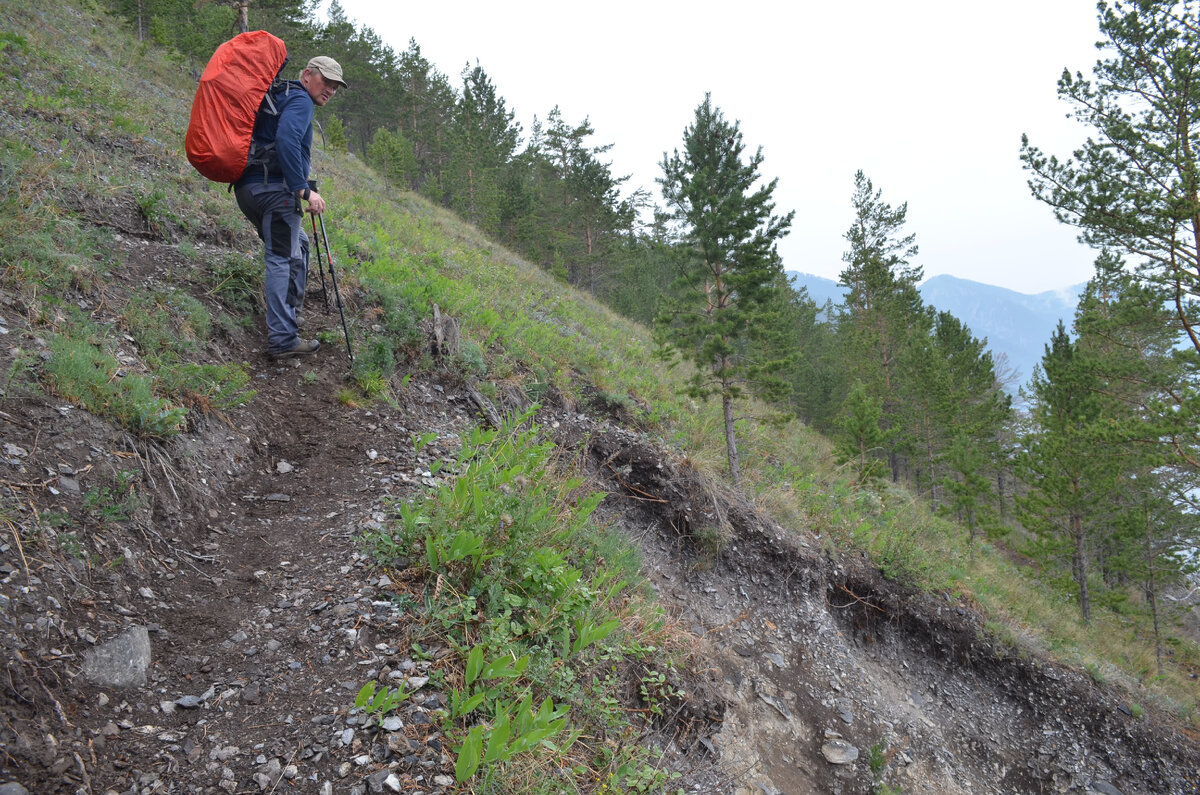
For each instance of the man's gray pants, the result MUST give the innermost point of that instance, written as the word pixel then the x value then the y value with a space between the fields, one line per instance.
pixel 278 219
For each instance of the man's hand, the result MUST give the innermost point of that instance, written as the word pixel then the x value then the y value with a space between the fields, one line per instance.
pixel 316 205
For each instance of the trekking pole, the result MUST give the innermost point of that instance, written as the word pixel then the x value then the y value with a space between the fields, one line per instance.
pixel 320 270
pixel 336 293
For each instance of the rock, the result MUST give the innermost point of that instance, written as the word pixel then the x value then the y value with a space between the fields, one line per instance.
pixel 839 752
pixel 14 451
pixel 251 693
pixel 1102 787
pixel 283 467
pixel 122 661
pixel 780 706
pixel 13 788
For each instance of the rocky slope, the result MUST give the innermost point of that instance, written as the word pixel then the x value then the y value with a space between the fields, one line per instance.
pixel 254 617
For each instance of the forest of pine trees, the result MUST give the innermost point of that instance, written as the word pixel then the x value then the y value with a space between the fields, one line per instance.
pixel 1096 480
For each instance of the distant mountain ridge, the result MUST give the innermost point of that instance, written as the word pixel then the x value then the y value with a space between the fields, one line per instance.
pixel 1015 324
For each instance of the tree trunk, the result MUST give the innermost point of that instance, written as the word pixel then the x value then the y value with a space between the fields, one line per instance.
pixel 1000 491
pixel 735 467
pixel 1152 596
pixel 1081 567
pixel 243 21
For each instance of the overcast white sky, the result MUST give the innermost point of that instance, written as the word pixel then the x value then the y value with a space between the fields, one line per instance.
pixel 928 97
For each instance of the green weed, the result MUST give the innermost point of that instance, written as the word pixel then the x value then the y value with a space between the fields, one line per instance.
pixel 208 387
pixel 237 280
pixel 81 372
pixel 377 702
pixel 168 324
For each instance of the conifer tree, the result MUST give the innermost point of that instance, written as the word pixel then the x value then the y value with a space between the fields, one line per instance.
pixel 1135 186
pixel 424 108
pixel 966 483
pixel 861 440
pixel 1068 474
pixel 391 155
pixel 728 232
pixel 484 139
pixel 1130 336
pixel 883 313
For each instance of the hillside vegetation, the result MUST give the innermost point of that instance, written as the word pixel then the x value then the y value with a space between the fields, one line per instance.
pixel 504 525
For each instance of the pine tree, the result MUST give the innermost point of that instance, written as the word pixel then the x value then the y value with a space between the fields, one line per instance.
pixel 1129 336
pixel 1068 475
pixel 1135 187
pixel 861 440
pixel 883 313
pixel 966 483
pixel 728 232
pixel 391 155
pixel 484 139
pixel 424 108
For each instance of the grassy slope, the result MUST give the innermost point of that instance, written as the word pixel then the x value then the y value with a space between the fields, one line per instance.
pixel 93 134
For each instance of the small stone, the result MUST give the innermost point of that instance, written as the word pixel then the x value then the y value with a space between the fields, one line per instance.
pixel 251 693
pixel 15 451
pixel 283 467
pixel 122 661
pixel 839 752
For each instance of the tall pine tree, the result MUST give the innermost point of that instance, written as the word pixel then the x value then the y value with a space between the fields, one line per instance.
pixel 728 233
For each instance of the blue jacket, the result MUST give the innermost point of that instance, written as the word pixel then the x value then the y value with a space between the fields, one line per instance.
pixel 292 133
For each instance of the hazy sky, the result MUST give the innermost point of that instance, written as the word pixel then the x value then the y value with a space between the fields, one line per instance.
pixel 928 97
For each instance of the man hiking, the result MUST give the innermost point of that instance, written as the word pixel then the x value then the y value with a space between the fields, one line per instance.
pixel 271 191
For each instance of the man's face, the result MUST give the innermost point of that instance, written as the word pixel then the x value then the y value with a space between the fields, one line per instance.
pixel 320 89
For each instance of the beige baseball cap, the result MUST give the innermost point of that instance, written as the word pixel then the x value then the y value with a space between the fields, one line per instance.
pixel 330 69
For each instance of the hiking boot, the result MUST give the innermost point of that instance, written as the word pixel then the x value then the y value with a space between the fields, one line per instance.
pixel 301 348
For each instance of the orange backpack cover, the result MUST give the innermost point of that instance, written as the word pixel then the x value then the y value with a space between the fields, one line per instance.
pixel 232 88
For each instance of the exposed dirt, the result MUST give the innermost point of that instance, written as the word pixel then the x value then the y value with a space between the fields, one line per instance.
pixel 242 561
